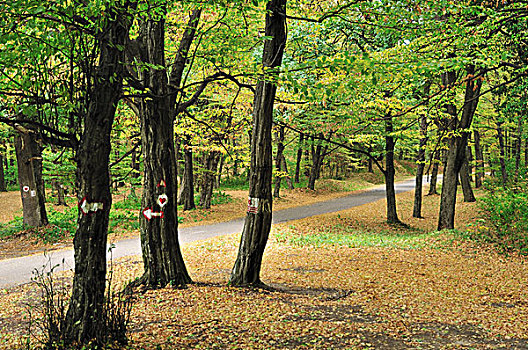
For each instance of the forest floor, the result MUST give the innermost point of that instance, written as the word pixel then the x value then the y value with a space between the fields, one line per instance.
pixel 344 280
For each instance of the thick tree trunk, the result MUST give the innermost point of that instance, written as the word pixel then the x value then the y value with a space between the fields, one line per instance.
pixel 299 158
pixel 278 161
pixel 502 154
pixel 85 318
pixel 187 192
pixel 465 180
pixel 457 147
pixel 392 214
pixel 417 209
pixel 163 262
pixel 208 178
pixel 479 160
pixel 29 160
pixel 246 270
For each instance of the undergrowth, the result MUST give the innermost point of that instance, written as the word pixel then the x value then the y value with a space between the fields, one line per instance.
pixel 47 321
pixel 345 236
pixel 504 217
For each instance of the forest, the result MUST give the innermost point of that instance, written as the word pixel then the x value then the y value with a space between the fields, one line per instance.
pixel 140 116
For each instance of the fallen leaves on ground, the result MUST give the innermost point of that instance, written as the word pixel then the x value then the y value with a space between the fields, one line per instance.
pixel 446 294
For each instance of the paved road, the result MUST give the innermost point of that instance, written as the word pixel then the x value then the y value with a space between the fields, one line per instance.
pixel 19 270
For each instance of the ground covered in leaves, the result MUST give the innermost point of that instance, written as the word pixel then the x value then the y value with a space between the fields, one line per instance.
pixel 338 281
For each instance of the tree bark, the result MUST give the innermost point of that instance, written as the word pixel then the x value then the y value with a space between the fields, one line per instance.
pixel 246 270
pixel 318 154
pixel 370 164
pixel 59 189
pixel 209 178
pixel 518 144
pixel 392 214
pixel 84 318
pixel 502 153
pixel 278 161
pixel 417 209
pixel 285 170
pixel 434 173
pixel 219 171
pixel 457 146
pixel 299 158
pixel 3 187
pixel 465 179
pixel 162 259
pixel 187 192
pixel 29 160
pixel 479 160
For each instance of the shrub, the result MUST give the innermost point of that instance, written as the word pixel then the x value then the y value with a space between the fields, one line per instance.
pixel 48 317
pixel 505 217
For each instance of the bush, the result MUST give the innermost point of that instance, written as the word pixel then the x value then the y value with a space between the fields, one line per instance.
pixel 47 321
pixel 505 217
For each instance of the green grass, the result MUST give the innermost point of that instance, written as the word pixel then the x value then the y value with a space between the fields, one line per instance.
pixel 339 235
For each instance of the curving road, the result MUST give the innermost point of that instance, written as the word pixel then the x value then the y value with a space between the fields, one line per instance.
pixel 18 271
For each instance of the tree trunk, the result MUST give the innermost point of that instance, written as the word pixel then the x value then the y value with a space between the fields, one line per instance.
pixel 457 146
pixel 278 161
pixel 285 170
pixel 526 153
pixel 208 178
pixel 3 187
pixel 318 154
pixel 392 214
pixel 162 259
pixel 219 171
pixel 417 209
pixel 135 164
pixel 84 318
pixel 502 154
pixel 518 148
pixel 479 160
pixel 59 189
pixel 246 270
pixel 299 158
pixel 434 173
pixel 29 160
pixel 370 164
pixel 465 179
pixel 187 192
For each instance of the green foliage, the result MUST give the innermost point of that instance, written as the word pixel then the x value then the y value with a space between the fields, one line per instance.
pixel 132 202
pixel 341 235
pixel 235 183
pixel 218 198
pixel 505 217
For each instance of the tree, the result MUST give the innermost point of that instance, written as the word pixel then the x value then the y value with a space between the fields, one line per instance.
pixel 29 160
pixel 246 270
pixel 163 262
pixel 420 159
pixel 85 313
pixel 457 144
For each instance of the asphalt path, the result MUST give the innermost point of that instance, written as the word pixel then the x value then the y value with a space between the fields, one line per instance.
pixel 20 270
